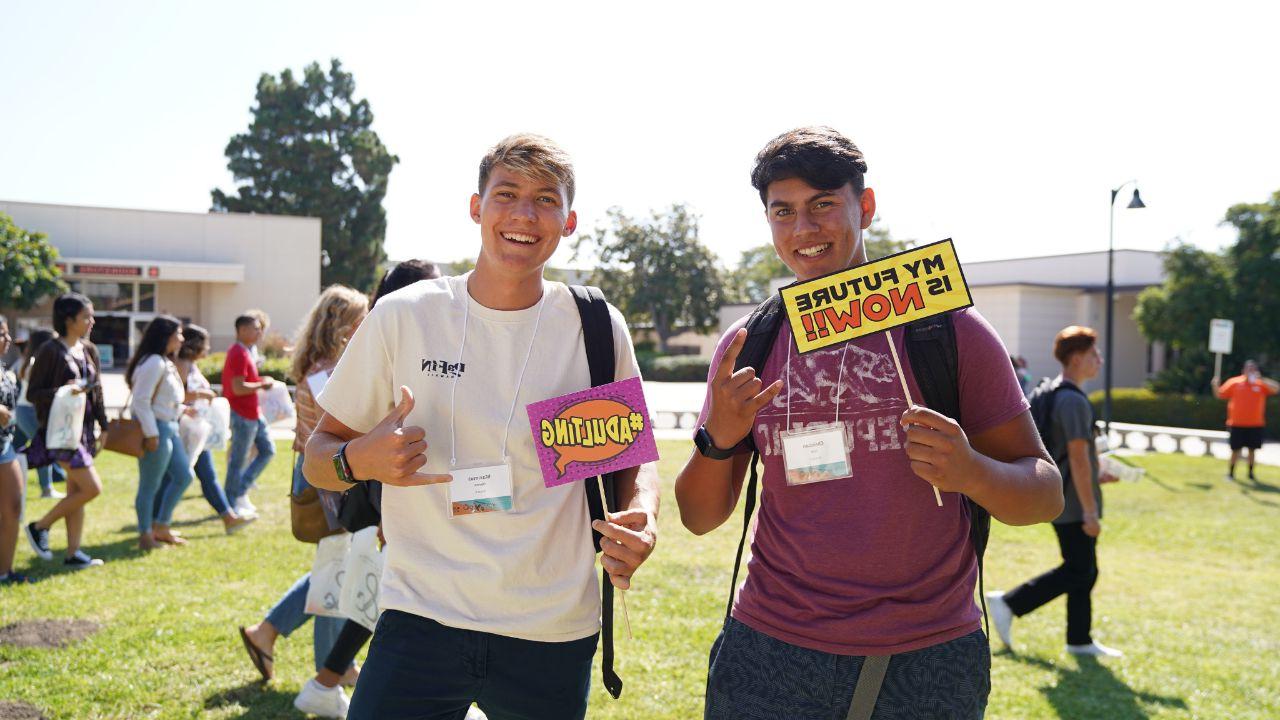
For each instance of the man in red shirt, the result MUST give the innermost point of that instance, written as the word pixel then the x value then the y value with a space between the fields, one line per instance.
pixel 1246 395
pixel 240 385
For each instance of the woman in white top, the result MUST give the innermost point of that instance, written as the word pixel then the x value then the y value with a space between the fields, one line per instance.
pixel 158 395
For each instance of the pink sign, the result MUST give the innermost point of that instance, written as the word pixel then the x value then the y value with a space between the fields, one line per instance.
pixel 592 432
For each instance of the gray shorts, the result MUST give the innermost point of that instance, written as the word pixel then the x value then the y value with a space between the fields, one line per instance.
pixel 756 677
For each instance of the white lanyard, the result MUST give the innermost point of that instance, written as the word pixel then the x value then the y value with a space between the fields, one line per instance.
pixel 453 433
pixel 839 383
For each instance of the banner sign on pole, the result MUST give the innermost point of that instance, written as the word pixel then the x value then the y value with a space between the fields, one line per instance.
pixel 875 296
pixel 1220 335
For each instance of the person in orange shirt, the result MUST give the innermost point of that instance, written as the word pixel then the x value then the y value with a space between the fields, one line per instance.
pixel 1246 395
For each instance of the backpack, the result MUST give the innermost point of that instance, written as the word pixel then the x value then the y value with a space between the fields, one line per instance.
pixel 597 337
pixel 931 349
pixel 361 506
pixel 1042 400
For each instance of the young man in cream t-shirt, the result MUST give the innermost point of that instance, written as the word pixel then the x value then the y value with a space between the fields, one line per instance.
pixel 489 591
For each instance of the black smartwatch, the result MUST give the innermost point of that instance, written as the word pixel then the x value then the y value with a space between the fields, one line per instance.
pixel 708 449
pixel 341 466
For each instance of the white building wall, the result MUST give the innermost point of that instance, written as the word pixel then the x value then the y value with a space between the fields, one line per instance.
pixel 280 255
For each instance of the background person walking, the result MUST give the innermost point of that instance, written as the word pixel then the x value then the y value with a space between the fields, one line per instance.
pixel 70 360
pixel 1246 395
pixel 158 394
pixel 11 479
pixel 1070 440
pixel 25 416
pixel 195 346
pixel 240 385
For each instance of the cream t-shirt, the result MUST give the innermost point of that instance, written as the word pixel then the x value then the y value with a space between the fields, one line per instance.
pixel 528 573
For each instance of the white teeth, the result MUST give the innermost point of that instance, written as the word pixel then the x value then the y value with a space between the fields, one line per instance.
pixel 520 238
pixel 814 251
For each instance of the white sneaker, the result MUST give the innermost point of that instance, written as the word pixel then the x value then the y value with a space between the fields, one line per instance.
pixel 1095 649
pixel 1001 616
pixel 51 493
pixel 474 713
pixel 245 508
pixel 316 699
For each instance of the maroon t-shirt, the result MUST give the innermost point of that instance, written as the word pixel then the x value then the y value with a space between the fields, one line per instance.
pixel 867 565
pixel 240 363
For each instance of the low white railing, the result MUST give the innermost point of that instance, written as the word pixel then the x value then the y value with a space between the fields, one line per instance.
pixel 1159 438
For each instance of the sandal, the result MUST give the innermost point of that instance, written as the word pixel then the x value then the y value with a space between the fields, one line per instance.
pixel 260 658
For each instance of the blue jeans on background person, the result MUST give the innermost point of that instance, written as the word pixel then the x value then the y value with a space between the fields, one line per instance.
pixel 243 432
pixel 28 426
pixel 169 458
pixel 209 486
pixel 290 613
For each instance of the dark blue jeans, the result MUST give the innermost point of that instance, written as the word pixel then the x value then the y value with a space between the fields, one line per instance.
pixel 757 677
pixel 420 669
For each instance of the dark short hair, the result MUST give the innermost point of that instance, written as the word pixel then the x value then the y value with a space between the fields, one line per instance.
pixel 195 340
pixel 404 274
pixel 1071 340
pixel 245 320
pixel 818 155
pixel 66 308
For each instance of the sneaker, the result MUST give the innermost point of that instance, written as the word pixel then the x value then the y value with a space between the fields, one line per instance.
pixel 51 494
pixel 245 508
pixel 1002 616
pixel 80 561
pixel 237 524
pixel 39 540
pixel 14 578
pixel 1095 649
pixel 316 699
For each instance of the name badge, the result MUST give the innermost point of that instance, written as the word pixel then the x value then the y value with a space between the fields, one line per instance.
pixel 482 489
pixel 815 454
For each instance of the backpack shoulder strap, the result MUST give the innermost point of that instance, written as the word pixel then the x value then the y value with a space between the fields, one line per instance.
pixel 597 339
pixel 762 331
pixel 935 363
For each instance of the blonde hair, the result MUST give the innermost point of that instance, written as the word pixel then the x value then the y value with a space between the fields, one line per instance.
pixel 533 156
pixel 338 308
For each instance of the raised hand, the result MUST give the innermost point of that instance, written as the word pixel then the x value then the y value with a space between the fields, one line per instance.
pixel 392 453
pixel 736 397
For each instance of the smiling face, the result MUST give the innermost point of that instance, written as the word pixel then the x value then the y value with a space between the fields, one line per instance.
pixel 521 221
pixel 82 324
pixel 816 232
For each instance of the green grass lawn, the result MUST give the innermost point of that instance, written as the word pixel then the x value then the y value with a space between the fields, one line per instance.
pixel 1188 591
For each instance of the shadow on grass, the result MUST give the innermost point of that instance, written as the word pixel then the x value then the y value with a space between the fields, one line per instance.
pixel 1251 488
pixel 256 701
pixel 1091 690
pixel 124 549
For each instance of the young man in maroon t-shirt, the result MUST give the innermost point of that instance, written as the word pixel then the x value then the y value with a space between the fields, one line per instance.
pixel 865 565
pixel 240 385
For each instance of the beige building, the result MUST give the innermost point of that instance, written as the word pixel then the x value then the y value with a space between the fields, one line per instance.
pixel 205 268
pixel 1028 300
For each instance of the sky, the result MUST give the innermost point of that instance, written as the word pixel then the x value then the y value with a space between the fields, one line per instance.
pixel 1001 125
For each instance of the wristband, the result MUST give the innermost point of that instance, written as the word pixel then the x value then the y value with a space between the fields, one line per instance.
pixel 342 467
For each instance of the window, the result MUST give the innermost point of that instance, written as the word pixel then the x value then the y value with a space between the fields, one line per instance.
pixel 108 296
pixel 146 297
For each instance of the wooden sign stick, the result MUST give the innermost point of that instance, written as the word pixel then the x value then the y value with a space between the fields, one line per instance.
pixel 626 617
pixel 906 392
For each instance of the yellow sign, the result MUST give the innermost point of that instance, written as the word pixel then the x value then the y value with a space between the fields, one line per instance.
pixel 875 296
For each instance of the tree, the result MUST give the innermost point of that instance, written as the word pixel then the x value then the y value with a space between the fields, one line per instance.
pixel 310 150
pixel 749 282
pixel 1242 283
pixel 657 270
pixel 28 273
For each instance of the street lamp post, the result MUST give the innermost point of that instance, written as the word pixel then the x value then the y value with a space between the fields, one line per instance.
pixel 1134 204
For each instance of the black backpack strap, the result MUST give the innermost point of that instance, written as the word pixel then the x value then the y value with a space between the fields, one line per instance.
pixel 597 338
pixel 762 331
pixel 935 363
